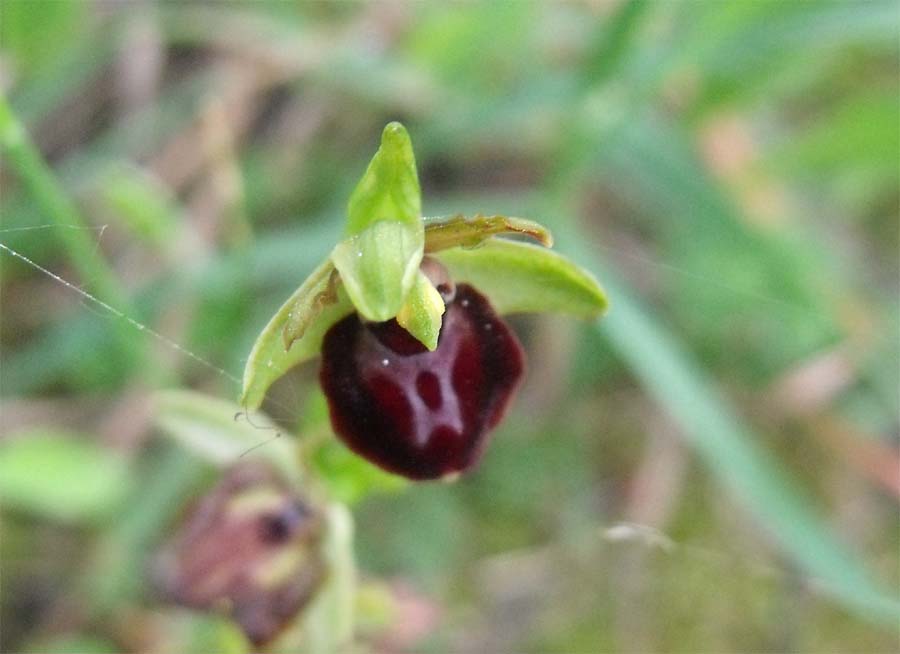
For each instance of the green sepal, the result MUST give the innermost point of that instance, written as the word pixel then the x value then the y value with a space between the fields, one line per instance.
pixel 378 267
pixel 389 189
pixel 319 291
pixel 270 359
pixel 385 237
pixel 421 313
pixel 523 278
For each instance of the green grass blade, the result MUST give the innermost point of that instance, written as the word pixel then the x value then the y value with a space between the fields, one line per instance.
pixel 729 449
pixel 614 41
pixel 682 188
pixel 24 158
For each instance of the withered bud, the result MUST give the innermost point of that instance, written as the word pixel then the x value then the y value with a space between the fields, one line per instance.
pixel 248 549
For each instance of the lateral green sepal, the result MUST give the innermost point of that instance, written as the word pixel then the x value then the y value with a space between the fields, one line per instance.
pixel 524 278
pixel 293 334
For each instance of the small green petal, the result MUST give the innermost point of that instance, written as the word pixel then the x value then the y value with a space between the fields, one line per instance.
pixel 421 314
pixel 459 231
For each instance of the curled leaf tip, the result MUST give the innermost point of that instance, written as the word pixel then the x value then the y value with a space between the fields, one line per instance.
pixel 531 229
pixel 459 231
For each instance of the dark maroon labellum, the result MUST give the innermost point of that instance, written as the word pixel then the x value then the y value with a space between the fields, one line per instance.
pixel 421 414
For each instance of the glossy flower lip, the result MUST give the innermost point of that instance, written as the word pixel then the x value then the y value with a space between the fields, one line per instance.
pixel 416 413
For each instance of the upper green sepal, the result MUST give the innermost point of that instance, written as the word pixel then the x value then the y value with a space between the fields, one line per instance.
pixel 389 189
pixel 385 235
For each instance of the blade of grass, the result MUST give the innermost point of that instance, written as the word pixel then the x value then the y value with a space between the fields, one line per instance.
pixel 668 372
pixel 745 49
pixel 38 95
pixel 613 41
pixel 728 448
pixel 23 156
pixel 269 269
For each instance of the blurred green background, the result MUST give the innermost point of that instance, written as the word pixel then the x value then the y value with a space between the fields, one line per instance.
pixel 712 467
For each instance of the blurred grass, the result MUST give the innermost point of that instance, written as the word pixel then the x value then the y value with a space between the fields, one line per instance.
pixel 729 170
pixel 61 477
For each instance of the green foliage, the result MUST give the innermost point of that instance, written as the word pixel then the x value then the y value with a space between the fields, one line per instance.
pixel 348 477
pixel 730 451
pixel 729 168
pixel 61 476
pixel 36 33
pixel 220 432
pixel 68 643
